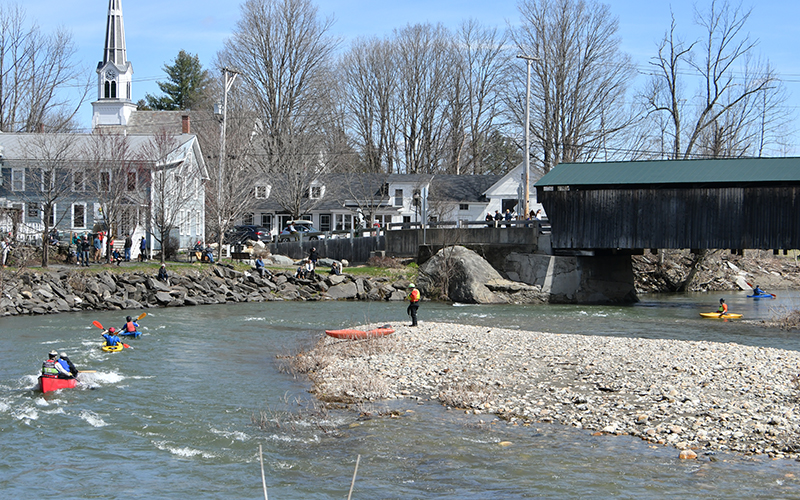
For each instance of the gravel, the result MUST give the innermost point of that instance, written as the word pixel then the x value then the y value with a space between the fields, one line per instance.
pixel 703 396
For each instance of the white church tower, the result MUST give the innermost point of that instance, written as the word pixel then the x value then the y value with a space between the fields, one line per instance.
pixel 114 74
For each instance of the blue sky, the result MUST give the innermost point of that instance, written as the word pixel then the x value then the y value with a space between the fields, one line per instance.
pixel 157 30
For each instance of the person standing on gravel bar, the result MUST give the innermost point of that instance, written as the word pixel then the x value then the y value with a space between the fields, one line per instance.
pixel 313 257
pixel 413 299
pixel 128 246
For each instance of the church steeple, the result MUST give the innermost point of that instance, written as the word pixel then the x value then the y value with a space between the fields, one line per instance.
pixel 115 35
pixel 114 75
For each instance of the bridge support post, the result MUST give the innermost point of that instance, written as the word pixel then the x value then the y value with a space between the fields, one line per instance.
pixel 576 280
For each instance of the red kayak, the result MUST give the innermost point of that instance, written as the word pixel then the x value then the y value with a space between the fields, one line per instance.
pixel 50 384
pixel 359 334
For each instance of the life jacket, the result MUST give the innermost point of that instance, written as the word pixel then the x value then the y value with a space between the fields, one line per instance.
pixel 49 368
pixel 414 296
pixel 129 327
pixel 723 308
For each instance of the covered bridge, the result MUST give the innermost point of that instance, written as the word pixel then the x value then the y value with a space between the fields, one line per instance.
pixel 626 207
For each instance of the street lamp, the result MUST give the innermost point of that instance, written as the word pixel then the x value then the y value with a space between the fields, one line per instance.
pixel 528 60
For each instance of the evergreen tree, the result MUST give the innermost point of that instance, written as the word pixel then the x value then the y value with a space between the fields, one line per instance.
pixel 186 87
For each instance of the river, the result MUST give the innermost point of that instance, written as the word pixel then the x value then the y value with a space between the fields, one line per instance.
pixel 175 415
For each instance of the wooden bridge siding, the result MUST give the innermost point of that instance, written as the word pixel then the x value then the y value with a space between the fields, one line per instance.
pixel 703 217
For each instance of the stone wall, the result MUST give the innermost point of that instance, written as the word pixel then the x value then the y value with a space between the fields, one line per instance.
pixel 69 290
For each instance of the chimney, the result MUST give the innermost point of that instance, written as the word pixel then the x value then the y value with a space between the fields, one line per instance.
pixel 186 126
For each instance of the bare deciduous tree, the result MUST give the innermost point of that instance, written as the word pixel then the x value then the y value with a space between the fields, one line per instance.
pixel 35 70
pixel 51 157
pixel 369 92
pixel 117 174
pixel 285 54
pixel 482 62
pixel 425 68
pixel 739 106
pixel 578 82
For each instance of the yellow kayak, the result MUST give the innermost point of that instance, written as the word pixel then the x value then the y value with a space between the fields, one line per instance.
pixel 724 316
pixel 112 348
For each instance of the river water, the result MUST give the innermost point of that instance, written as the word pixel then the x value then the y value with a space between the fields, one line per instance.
pixel 176 415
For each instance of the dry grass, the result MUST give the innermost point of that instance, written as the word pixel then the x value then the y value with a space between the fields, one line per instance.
pixel 466 395
pixel 786 318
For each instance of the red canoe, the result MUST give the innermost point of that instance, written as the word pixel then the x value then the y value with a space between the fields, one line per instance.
pixel 49 384
pixel 359 334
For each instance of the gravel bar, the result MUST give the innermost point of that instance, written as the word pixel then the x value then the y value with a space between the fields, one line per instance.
pixel 703 396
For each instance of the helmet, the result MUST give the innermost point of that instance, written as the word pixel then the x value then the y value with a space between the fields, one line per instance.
pixel 721 301
pixel 112 329
pixel 412 285
pixel 63 355
pixel 128 318
pixel 53 354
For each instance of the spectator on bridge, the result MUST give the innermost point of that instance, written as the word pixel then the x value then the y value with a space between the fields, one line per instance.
pixel 509 216
pixel 497 218
pixel 489 220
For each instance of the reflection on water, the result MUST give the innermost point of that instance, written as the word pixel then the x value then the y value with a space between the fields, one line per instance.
pixel 173 417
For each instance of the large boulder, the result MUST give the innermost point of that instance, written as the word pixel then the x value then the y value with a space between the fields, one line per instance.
pixel 462 275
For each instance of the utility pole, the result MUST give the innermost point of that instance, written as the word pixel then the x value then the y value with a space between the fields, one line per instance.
pixel 528 60
pixel 229 76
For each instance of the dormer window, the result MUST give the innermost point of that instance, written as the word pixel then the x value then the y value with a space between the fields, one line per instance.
pixel 316 192
pixel 261 192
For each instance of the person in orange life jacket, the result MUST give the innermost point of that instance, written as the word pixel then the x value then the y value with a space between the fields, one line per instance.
pixel 111 337
pixel 67 364
pixel 413 299
pixel 130 325
pixel 723 307
pixel 53 369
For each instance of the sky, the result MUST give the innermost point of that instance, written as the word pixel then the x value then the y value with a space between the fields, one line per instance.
pixel 157 30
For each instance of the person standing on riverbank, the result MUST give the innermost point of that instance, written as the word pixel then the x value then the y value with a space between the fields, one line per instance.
pixel 143 250
pixel 128 245
pixel 413 306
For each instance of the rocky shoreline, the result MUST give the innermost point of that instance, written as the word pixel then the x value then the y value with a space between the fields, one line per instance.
pixel 49 292
pixel 700 397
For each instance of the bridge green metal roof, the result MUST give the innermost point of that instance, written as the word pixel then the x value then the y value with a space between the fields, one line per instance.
pixel 717 171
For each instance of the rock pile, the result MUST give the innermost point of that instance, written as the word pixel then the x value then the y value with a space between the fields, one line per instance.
pixel 691 395
pixel 70 290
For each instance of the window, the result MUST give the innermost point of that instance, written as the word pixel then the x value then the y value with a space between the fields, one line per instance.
pixel 50 215
pixel 131 181
pixel 78 183
pixel 79 216
pixel 325 222
pixel 266 221
pixel 316 192
pixel 344 222
pixel 107 90
pixel 398 197
pixel 105 182
pixel 113 90
pixel 261 192
pixel 463 206
pixel 247 219
pixel 48 181
pixel 18 179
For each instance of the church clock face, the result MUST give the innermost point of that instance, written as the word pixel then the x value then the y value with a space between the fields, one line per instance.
pixel 110 74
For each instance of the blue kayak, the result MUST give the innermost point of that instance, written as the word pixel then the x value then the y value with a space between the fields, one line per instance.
pixel 130 334
pixel 762 296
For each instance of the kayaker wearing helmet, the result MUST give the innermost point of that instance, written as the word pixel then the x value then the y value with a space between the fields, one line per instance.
pixel 53 369
pixel 413 299
pixel 67 364
pixel 723 307
pixel 130 326
pixel 111 337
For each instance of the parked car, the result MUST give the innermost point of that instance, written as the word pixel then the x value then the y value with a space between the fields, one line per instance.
pixel 301 227
pixel 240 234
